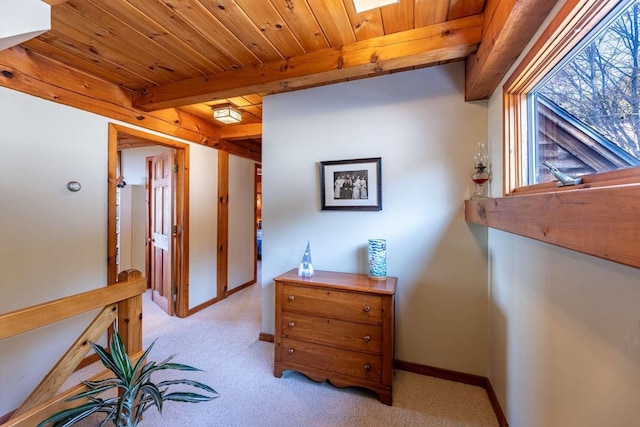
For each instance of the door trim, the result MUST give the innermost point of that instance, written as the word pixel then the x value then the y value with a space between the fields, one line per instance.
pixel 223 225
pixel 256 182
pixel 181 261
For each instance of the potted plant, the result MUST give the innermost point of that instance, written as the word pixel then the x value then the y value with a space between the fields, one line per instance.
pixel 132 391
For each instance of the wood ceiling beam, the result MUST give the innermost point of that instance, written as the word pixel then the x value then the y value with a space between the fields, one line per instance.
pixel 230 133
pixel 427 45
pixel 249 149
pixel 31 73
pixel 508 27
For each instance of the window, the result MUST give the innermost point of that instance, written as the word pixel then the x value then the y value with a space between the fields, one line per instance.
pixel 586 110
pixel 600 216
pixel 575 99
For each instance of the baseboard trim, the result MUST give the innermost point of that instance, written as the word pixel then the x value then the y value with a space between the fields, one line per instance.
pixel 444 374
pixel 460 377
pixel 267 337
pixel 202 306
pixel 216 299
pixel 502 420
pixel 6 417
pixel 239 288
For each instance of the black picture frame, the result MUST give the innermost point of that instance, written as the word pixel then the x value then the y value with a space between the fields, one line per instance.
pixel 351 185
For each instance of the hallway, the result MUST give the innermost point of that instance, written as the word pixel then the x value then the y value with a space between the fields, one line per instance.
pixel 223 340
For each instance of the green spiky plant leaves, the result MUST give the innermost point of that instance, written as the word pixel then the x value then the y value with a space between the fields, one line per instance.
pixel 131 392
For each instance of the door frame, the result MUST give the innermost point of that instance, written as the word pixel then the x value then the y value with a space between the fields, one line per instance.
pixel 136 138
pixel 257 191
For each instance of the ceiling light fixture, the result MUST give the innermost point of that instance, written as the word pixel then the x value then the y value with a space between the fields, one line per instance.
pixel 22 20
pixel 363 5
pixel 226 114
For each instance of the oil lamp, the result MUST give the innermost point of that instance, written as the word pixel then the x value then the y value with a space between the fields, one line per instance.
pixel 481 174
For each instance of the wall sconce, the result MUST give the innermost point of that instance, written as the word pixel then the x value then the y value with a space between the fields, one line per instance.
pixel 363 5
pixel 226 114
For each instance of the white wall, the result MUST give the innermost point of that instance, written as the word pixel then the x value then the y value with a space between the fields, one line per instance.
pixel 138 227
pixel 203 225
pixel 124 228
pixel 242 236
pixel 54 241
pixel 564 345
pixel 419 124
pixel 564 328
pixel 134 163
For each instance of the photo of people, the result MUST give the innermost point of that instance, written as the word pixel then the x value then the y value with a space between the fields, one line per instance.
pixel 350 185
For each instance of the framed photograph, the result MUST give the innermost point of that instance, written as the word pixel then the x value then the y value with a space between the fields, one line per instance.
pixel 351 185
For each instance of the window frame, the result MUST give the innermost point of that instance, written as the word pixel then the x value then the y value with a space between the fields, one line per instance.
pixel 565 31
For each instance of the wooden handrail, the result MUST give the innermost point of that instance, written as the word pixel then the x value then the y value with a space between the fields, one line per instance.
pixel 46 409
pixel 26 319
pixel 122 300
pixel 52 382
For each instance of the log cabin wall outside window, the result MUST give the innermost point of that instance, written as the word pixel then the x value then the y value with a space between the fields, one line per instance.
pixel 565 105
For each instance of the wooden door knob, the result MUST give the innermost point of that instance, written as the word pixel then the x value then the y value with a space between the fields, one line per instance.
pixel 291 297
pixel 367 367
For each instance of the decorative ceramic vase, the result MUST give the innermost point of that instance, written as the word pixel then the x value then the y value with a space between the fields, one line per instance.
pixel 305 269
pixel 377 259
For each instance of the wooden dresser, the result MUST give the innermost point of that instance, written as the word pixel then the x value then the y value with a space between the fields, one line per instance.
pixel 336 327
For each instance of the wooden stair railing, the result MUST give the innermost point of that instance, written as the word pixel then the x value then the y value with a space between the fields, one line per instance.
pixel 122 300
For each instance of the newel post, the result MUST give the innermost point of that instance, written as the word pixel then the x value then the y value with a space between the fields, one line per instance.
pixel 130 316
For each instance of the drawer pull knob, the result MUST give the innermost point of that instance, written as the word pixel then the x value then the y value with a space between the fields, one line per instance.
pixel 367 367
pixel 366 309
pixel 291 324
pixel 291 351
pixel 291 297
pixel 366 338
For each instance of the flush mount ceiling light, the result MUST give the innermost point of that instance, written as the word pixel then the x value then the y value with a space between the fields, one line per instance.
pixel 226 114
pixel 22 20
pixel 362 5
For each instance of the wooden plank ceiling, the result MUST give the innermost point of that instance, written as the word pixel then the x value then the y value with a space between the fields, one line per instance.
pixel 195 54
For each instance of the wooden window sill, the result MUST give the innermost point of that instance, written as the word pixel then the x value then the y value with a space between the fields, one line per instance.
pixel 603 221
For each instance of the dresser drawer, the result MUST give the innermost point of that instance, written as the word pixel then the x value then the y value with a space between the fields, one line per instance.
pixel 332 332
pixel 346 306
pixel 357 365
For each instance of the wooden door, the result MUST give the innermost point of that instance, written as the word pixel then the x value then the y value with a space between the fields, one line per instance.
pixel 161 230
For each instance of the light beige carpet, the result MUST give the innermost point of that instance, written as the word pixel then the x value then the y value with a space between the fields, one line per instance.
pixel 223 341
